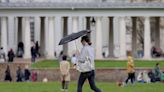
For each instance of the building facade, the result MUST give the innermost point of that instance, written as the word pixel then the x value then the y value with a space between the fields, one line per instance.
pixel 29 21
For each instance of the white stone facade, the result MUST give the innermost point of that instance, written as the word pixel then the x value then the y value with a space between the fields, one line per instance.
pixel 51 24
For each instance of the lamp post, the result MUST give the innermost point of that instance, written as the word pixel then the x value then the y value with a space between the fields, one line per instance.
pixel 93 22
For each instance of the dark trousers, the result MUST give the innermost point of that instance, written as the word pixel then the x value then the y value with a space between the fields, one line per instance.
pixel 131 76
pixel 65 84
pixel 91 78
pixel 33 58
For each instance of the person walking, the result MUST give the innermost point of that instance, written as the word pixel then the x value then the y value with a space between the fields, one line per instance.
pixel 20 49
pixel 74 60
pixel 157 72
pixel 11 55
pixel 8 74
pixel 33 53
pixel 19 74
pixel 27 73
pixel 86 65
pixel 130 69
pixel 65 75
pixel 162 77
pixel 37 47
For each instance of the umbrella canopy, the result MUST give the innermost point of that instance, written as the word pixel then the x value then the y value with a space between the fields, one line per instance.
pixel 73 36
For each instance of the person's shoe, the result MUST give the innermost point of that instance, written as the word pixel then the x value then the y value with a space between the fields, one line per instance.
pixel 62 90
pixel 125 84
pixel 66 90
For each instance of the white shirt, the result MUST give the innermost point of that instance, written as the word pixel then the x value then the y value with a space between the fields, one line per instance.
pixel 73 60
pixel 87 51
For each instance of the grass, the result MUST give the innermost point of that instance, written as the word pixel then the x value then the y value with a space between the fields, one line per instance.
pixel 55 87
pixel 102 64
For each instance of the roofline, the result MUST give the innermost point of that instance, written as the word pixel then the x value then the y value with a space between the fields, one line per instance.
pixel 80 6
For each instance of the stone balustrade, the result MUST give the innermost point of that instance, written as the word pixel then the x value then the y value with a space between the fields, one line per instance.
pixel 105 75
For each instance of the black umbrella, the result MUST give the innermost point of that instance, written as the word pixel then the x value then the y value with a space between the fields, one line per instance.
pixel 73 36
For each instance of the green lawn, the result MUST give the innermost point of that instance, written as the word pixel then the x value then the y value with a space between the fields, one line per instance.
pixel 55 87
pixel 101 64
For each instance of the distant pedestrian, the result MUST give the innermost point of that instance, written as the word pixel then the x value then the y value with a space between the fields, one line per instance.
pixel 34 76
pixel 151 76
pixel 11 55
pixel 65 75
pixel 2 55
pixel 8 74
pixel 33 53
pixel 37 47
pixel 74 60
pixel 157 72
pixel 27 73
pixel 20 49
pixel 162 76
pixel 130 69
pixel 19 74
pixel 143 77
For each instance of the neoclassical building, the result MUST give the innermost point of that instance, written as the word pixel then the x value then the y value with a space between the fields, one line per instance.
pixel 47 22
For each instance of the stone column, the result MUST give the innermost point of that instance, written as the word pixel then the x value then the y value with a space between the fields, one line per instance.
pixel 157 32
pixel 58 34
pixel 37 28
pixel 46 36
pixel 93 32
pixel 81 23
pixel 4 33
pixel 27 38
pixel 88 26
pixel 88 23
pixel 134 36
pixel 147 39
pixel 116 36
pixel 51 37
pixel 162 33
pixel 81 26
pixel 65 33
pixel 11 33
pixel 98 38
pixel 71 45
pixel 111 38
pixel 20 27
pixel 122 31
pixel 42 36
pixel 74 28
pixel 16 33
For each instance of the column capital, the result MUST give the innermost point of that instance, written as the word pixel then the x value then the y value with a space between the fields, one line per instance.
pixel 74 16
pixel 50 16
pixel 110 16
pixel 122 17
pixel 98 17
pixel 146 18
pixel 134 18
pixel 4 16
